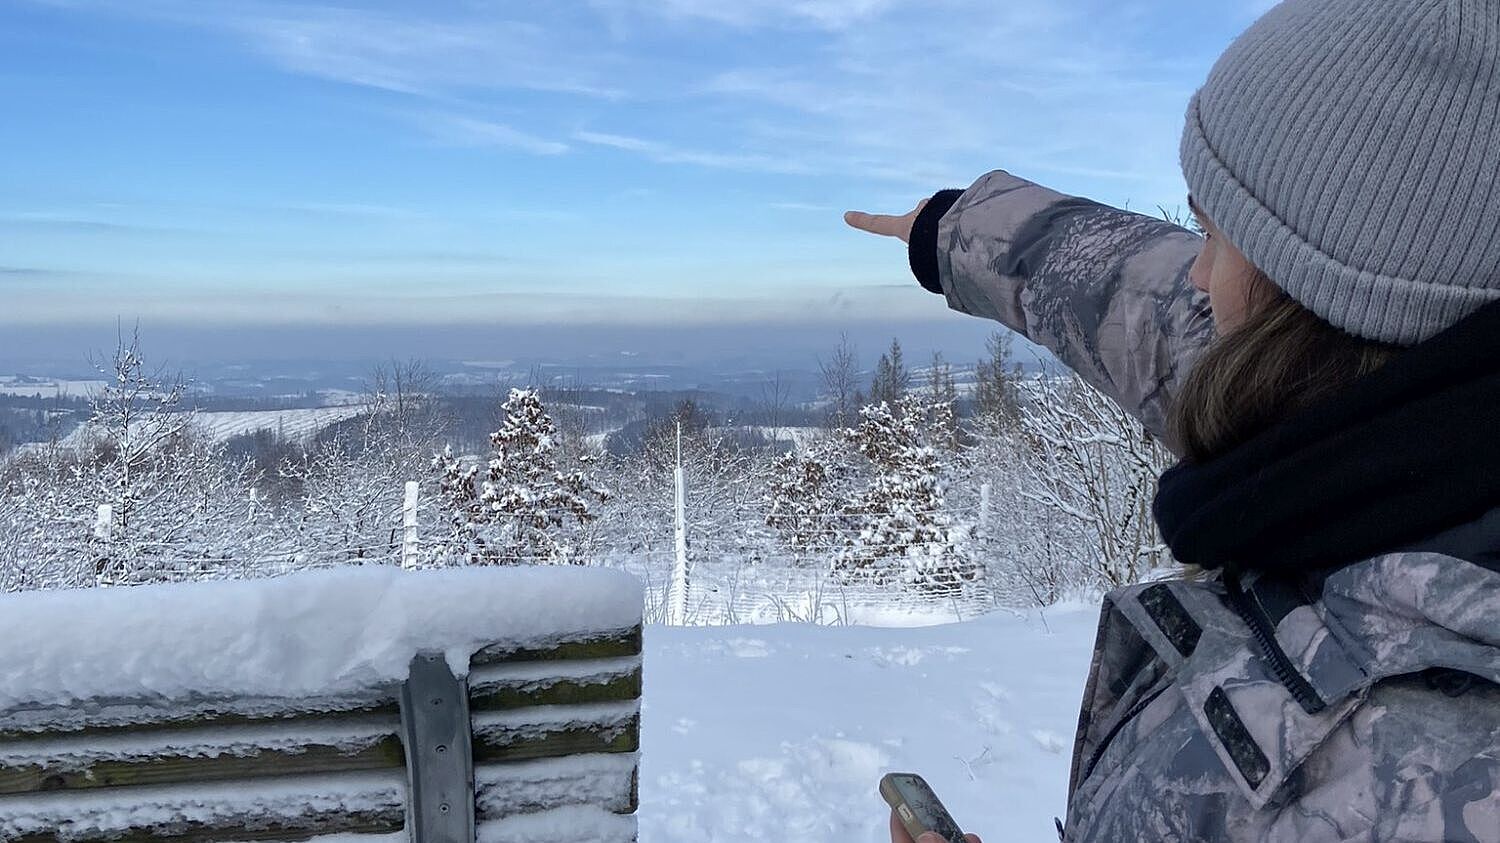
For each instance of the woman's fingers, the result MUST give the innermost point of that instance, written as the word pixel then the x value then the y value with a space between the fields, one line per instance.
pixel 882 224
pixel 899 835
pixel 898 831
pixel 886 225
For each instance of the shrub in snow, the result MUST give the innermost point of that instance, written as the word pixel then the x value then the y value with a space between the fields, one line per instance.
pixel 146 501
pixel 353 481
pixel 1094 468
pixel 515 509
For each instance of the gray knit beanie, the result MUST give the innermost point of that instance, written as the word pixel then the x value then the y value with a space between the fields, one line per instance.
pixel 1349 148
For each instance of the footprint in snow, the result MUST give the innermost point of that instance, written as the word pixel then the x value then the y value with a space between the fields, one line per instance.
pixel 1049 741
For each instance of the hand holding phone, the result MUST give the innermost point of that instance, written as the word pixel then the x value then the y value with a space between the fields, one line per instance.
pixel 916 810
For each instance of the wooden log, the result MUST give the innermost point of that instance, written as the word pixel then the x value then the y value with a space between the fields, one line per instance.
pixel 297 748
pixel 606 646
pixel 101 718
pixel 205 763
pixel 569 698
pixel 555 731
pixel 532 684
pixel 292 808
pixel 248 828
pixel 603 780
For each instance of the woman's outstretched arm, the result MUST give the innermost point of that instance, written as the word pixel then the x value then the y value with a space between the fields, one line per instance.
pixel 1105 290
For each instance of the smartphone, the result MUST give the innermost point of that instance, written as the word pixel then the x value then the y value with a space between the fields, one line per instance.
pixel 918 807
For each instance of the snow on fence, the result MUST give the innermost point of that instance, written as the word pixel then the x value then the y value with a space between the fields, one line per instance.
pixel 434 705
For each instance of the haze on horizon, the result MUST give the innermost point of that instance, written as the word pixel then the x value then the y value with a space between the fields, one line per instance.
pixel 262 166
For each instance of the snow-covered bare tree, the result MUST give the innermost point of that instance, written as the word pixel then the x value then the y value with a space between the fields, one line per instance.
pixel 1091 463
pixel 353 480
pixel 169 504
pixel 517 507
pixel 722 480
pixel 45 524
pixel 352 495
pixel 840 384
pixel 402 408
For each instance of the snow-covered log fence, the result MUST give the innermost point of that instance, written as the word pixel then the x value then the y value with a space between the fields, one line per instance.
pixel 490 704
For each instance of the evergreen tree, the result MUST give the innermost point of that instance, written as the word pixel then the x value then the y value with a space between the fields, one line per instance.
pixel 516 509
pixel 903 532
pixel 943 404
pixel 997 404
pixel 892 380
pixel 806 493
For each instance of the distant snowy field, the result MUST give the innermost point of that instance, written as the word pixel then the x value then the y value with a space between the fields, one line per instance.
pixel 298 425
pixel 781 732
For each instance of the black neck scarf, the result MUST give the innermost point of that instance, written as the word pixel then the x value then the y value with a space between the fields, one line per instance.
pixel 1405 453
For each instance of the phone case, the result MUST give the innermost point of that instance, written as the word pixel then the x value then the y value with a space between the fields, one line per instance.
pixel 918 808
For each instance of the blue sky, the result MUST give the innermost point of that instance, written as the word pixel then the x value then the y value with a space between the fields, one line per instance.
pixel 615 161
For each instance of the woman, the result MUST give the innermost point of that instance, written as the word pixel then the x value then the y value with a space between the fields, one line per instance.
pixel 1326 361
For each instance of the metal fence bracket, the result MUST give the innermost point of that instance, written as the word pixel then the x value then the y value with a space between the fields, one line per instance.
pixel 439 757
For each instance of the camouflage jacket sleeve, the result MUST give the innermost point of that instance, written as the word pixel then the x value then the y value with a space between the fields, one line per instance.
pixel 1105 290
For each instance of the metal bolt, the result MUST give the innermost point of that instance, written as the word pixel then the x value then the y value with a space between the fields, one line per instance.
pixel 437 700
pixel 443 807
pixel 442 748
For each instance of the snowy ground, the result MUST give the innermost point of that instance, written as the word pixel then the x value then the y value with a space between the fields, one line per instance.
pixel 780 733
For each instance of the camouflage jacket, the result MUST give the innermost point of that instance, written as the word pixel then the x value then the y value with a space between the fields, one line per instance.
pixel 1358 705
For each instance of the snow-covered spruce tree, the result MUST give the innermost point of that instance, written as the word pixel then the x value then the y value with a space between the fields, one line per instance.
pixel 903 533
pixel 516 509
pixel 805 497
pixel 1094 467
pixel 942 404
pixel 997 406
pixel 892 380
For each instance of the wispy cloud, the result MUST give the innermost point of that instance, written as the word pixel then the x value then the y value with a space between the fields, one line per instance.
pixel 416 53
pixel 666 153
pixel 358 210
pixel 692 111
pixel 27 272
pixel 907 91
pixel 825 14
pixel 69 222
pixel 468 131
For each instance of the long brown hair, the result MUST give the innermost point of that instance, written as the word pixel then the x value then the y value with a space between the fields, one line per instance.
pixel 1283 359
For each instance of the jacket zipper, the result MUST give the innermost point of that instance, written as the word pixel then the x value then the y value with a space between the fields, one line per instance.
pixel 1109 737
pixel 1265 639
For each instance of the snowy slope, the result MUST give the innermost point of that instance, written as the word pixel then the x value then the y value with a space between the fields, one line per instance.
pixel 47 387
pixel 300 425
pixel 293 425
pixel 780 733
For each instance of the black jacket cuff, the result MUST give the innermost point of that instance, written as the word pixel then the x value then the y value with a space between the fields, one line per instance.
pixel 922 251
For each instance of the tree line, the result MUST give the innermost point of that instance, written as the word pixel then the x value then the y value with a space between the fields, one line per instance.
pixel 1037 487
